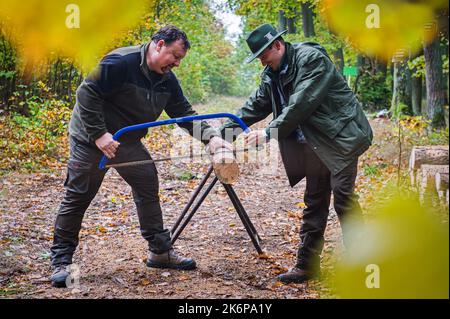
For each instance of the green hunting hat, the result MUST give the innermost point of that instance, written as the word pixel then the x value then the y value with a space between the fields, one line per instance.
pixel 261 38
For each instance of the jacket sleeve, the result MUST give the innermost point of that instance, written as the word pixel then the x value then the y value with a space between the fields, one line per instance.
pixel 257 107
pixel 107 78
pixel 315 78
pixel 179 106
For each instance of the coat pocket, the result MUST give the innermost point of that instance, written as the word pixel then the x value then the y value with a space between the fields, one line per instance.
pixel 328 123
pixel 350 138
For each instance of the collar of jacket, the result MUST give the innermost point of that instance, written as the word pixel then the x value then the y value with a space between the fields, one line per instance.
pixel 144 66
pixel 287 76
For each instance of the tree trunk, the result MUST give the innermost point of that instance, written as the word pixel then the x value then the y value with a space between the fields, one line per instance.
pixel 416 94
pixel 416 88
pixel 59 82
pixel 55 74
pixel 69 84
pixel 307 20
pixel 291 21
pixel 80 78
pixel 436 93
pixel 380 66
pixel 360 61
pixel 339 59
pixel 291 26
pixel 8 63
pixel 400 90
pixel 281 21
pixel 446 115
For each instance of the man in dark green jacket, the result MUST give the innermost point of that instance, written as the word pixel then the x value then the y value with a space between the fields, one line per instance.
pixel 321 130
pixel 133 85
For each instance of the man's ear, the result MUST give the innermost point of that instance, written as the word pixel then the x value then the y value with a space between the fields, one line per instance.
pixel 277 44
pixel 160 44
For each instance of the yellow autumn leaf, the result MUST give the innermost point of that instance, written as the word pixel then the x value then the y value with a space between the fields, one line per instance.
pixel 301 205
pixel 145 282
pixel 102 229
pixel 264 256
pixel 79 29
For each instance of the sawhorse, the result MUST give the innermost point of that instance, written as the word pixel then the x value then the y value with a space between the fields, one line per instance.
pixel 179 225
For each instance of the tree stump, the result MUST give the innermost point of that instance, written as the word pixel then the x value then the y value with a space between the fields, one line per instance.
pixel 225 166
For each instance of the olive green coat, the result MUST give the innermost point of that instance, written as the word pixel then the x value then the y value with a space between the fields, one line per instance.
pixel 320 102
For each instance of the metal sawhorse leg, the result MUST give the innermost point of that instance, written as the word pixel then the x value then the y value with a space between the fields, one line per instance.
pixel 179 226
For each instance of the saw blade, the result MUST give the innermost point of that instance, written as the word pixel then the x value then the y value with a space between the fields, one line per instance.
pixel 172 158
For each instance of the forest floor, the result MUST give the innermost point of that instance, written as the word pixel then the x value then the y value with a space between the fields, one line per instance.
pixel 111 252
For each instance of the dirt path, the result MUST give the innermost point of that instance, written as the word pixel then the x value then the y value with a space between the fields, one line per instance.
pixel 111 253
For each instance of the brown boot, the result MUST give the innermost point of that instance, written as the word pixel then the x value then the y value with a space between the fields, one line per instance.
pixel 170 259
pixel 297 275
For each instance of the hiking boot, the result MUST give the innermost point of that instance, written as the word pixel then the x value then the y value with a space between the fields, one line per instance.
pixel 59 276
pixel 297 275
pixel 170 259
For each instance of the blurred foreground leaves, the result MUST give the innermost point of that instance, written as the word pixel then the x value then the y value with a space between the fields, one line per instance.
pixel 402 252
pixel 383 27
pixel 80 29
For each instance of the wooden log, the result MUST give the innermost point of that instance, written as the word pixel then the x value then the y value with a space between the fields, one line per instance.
pixel 225 166
pixel 441 179
pixel 434 154
pixel 427 175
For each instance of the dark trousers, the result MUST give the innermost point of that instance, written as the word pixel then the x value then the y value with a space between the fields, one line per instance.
pixel 82 184
pixel 319 185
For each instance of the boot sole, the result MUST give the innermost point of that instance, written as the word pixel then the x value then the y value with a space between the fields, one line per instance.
pixel 58 284
pixel 298 280
pixel 295 281
pixel 190 266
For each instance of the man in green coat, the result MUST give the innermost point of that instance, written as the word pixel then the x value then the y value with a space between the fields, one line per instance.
pixel 321 130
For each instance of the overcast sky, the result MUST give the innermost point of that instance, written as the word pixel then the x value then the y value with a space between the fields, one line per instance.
pixel 231 22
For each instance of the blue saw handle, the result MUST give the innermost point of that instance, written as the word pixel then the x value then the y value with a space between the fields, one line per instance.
pixel 185 119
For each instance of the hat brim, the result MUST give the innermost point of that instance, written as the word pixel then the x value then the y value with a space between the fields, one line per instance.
pixel 255 55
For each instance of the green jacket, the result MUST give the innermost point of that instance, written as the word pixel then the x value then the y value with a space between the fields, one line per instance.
pixel 319 101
